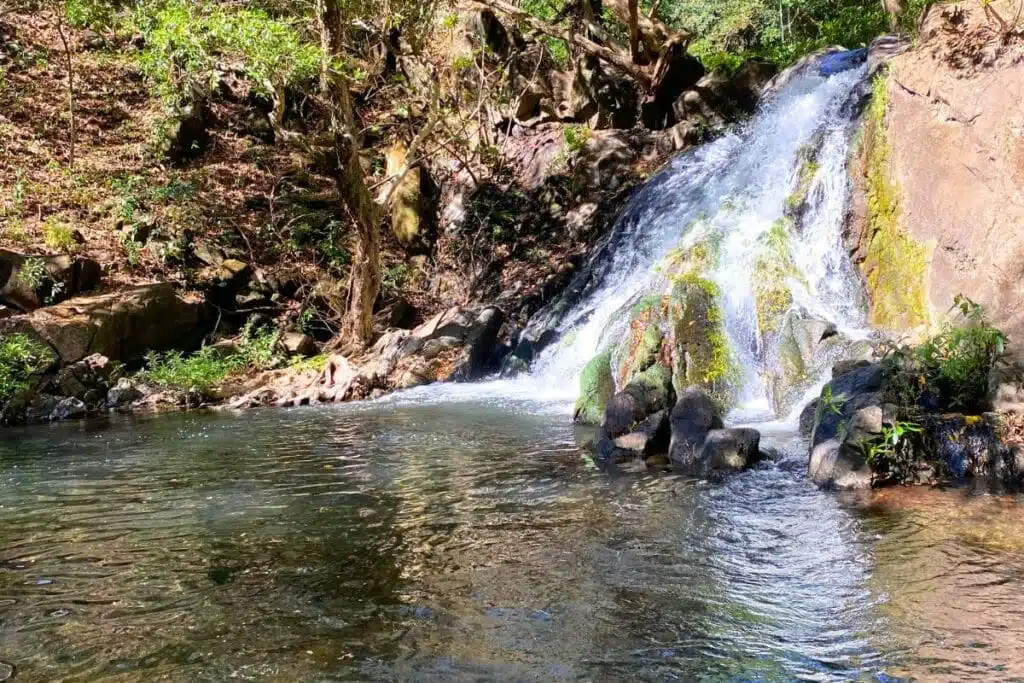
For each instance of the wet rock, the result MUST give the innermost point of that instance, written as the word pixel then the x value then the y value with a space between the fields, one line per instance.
pixel 884 48
pixel 122 394
pixel 730 450
pixel 597 386
pixel 807 417
pixel 298 344
pixel 92 375
pixel 69 408
pixel 694 415
pixel 649 438
pixel 479 346
pixel 648 393
pixel 838 62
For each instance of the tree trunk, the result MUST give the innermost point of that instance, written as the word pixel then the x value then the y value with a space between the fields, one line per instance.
pixel 634 31
pixel 365 277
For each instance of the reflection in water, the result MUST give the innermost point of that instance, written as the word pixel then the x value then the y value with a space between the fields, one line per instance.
pixel 472 542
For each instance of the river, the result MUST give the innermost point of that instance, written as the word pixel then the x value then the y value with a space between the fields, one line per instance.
pixel 473 541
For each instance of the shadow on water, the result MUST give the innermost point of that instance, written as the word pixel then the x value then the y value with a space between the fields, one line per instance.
pixel 472 542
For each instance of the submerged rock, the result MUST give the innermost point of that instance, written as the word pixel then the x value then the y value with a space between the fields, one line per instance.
pixel 651 391
pixel 647 439
pixel 729 450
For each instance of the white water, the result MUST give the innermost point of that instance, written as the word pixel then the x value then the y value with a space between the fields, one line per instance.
pixel 735 188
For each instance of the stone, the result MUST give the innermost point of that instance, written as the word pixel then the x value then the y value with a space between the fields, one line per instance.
pixel 884 48
pixel 298 344
pixel 807 417
pixel 408 204
pixel 61 277
pixel 597 386
pixel 69 408
pixel 838 62
pixel 679 72
pixel 122 394
pixel 693 416
pixel 208 253
pixel 7 671
pixel 122 325
pixel 480 345
pixel 699 349
pixel 730 450
pixel 226 282
pixel 190 135
pixel 648 393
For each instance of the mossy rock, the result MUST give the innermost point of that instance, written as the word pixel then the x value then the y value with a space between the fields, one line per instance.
pixel 645 334
pixel 895 265
pixel 700 353
pixel 649 392
pixel 597 386
pixel 773 271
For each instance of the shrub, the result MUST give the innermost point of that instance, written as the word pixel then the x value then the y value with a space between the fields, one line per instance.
pixel 20 358
pixel 950 370
pixel 892 456
pixel 33 273
pixel 200 372
pixel 576 138
pixel 59 237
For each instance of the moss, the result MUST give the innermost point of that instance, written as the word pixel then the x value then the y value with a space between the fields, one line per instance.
pixel 773 269
pixel 808 169
pixel 895 264
pixel 657 379
pixel 701 355
pixel 643 344
pixel 597 386
pixel 701 257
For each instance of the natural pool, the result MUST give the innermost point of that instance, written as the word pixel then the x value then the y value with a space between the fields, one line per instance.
pixel 471 541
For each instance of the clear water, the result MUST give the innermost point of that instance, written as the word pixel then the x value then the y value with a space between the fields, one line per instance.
pixel 458 533
pixel 471 542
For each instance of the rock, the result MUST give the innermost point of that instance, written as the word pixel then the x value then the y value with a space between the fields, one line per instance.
pixel 28 282
pixel 1006 388
pixel 807 417
pixel 93 40
pixel 968 447
pixel 298 344
pixel 699 349
pixel 69 408
pixel 92 375
pixel 643 340
pixel 122 326
pixel 225 282
pixel 7 671
pixel 597 386
pixel 408 203
pixel 838 62
pixel 122 394
pixel 838 458
pixel 694 415
pixel 208 253
pixel 402 315
pixel 842 367
pixel 479 345
pixel 606 160
pixel 649 438
pixel 648 393
pixel 730 450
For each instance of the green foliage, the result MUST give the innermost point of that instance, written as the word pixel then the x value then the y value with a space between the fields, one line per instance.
pixel 773 270
pixel 200 372
pixel 185 40
pixel 892 456
pixel 950 370
pixel 33 273
pixel 59 237
pixel 393 279
pixel 831 404
pixel 20 358
pixel 597 386
pixel 99 15
pixel 576 138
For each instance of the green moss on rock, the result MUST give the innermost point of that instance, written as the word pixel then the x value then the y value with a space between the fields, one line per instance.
pixel 773 269
pixel 700 349
pixel 597 386
pixel 895 264
pixel 642 345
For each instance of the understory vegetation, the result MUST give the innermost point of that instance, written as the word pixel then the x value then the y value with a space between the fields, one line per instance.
pixel 20 358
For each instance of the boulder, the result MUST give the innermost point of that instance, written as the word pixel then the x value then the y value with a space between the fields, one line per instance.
pixel 849 415
pixel 190 135
pixel 597 386
pixel 298 344
pixel 28 282
pixel 694 415
pixel 225 282
pixel 88 379
pixel 408 201
pixel 649 438
pixel 838 62
pixel 122 394
pixel 677 72
pixel 122 326
pixel 648 393
pixel 700 352
pixel 479 346
pixel 729 450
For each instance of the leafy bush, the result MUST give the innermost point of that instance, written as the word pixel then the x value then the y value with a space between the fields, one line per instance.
pixel 950 370
pixel 576 138
pixel 186 39
pixel 20 358
pixel 59 236
pixel 202 371
pixel 892 456
pixel 33 273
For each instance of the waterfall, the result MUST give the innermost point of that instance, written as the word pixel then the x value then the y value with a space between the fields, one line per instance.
pixel 735 188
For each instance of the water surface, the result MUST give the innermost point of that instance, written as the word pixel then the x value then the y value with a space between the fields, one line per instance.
pixel 472 541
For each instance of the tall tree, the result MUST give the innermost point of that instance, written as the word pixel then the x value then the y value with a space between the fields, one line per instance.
pixel 365 278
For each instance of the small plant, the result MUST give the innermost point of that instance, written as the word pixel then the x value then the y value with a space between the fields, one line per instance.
pixel 59 237
pixel 395 278
pixel 831 404
pixel 132 248
pixel 892 455
pixel 200 372
pixel 20 358
pixel 576 138
pixel 33 273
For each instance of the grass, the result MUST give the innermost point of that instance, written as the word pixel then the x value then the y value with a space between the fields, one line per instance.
pixel 20 358
pixel 59 237
pixel 202 371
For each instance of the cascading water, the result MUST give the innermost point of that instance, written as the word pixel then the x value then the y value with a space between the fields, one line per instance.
pixel 732 191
